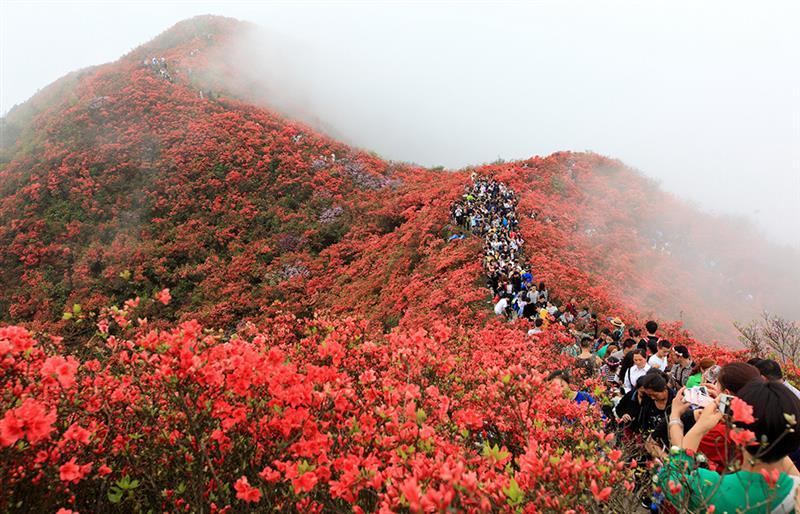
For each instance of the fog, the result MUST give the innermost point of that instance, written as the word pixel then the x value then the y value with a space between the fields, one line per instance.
pixel 702 96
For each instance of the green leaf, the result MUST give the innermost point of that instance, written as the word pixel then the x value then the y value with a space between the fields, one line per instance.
pixel 76 309
pixel 67 316
pixel 115 494
pixel 505 379
pixel 421 416
pixel 127 484
pixel 494 452
pixel 514 493
pixel 304 466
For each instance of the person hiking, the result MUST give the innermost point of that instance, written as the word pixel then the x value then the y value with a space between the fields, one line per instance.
pixel 682 369
pixel 659 359
pixel 655 406
pixel 586 360
pixel 716 444
pixel 562 382
pixel 696 378
pixel 627 346
pixel 651 339
pixel 639 368
pixel 772 371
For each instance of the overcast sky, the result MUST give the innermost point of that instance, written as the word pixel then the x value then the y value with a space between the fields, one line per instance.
pixel 703 96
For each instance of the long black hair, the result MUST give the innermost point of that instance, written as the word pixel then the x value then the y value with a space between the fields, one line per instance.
pixel 655 380
pixel 627 362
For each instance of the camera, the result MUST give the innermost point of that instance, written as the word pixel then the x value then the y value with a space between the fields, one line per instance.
pixel 697 396
pixel 725 403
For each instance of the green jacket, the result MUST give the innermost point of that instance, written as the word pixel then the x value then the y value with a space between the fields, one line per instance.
pixel 694 380
pixel 743 492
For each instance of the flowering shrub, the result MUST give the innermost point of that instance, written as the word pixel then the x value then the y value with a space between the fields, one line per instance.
pixel 122 183
pixel 290 328
pixel 304 416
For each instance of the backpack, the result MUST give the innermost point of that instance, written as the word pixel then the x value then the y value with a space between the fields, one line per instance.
pixel 587 364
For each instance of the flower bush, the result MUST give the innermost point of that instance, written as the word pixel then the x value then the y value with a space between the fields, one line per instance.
pixel 304 415
pixel 208 307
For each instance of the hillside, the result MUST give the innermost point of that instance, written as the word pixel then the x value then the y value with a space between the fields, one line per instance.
pixel 321 331
pixel 131 178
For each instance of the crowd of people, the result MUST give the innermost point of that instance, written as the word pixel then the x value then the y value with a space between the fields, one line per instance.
pixel 488 209
pixel 662 405
pixel 159 66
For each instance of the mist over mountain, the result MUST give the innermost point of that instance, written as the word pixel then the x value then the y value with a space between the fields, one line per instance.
pixel 212 302
pixel 666 258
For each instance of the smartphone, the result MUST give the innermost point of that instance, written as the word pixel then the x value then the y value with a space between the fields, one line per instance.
pixel 697 396
pixel 711 374
pixel 725 403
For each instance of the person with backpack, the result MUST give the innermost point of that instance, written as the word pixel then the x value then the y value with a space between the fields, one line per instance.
pixel 650 341
pixel 586 360
pixel 638 368
pixel 659 359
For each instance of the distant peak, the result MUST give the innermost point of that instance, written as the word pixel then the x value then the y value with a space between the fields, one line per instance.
pixel 205 26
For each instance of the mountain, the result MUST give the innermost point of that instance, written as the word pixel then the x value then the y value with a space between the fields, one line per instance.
pixel 319 276
pixel 130 176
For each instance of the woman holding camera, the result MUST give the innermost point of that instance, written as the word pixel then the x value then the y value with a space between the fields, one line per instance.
pixel 762 482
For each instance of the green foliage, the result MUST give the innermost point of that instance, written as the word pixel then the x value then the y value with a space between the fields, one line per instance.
pixel 122 489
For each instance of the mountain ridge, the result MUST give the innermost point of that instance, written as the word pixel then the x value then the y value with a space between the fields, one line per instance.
pixel 208 306
pixel 151 119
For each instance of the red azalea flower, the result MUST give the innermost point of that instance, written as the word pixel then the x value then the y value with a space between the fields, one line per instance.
pixel 742 412
pixel 11 429
pixel 14 340
pixel 742 437
pixel 72 472
pixel 305 482
pixel 599 495
pixel 246 492
pixel 60 369
pixel 411 492
pixel 77 433
pixel 674 488
pixel 270 475
pixel 163 296
pixel 771 477
pixel 30 419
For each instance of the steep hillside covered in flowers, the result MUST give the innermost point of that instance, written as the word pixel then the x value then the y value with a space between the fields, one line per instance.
pixel 126 178
pixel 204 303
